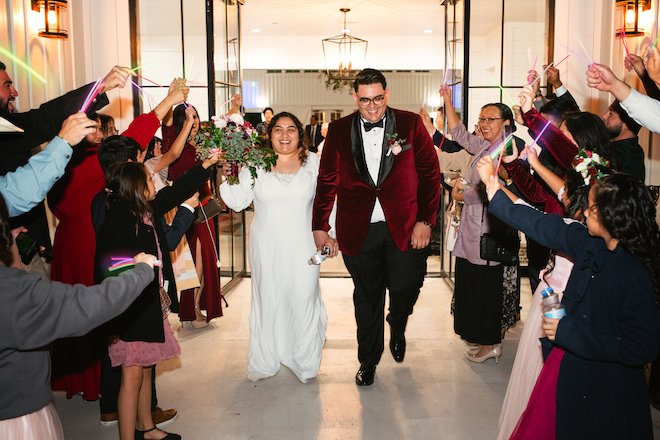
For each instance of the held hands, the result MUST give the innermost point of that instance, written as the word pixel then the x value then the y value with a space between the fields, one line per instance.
pixel 600 77
pixel 321 238
pixel 526 96
pixel 550 327
pixel 117 77
pixel 144 258
pixel 226 169
pixel 512 157
pixel 652 61
pixel 445 94
pixel 190 116
pixel 421 236
pixel 517 115
pixel 210 161
pixel 552 76
pixel 486 171
pixel 636 62
pixel 193 201
pixel 426 119
pixel 76 127
pixel 178 91
pixel 532 78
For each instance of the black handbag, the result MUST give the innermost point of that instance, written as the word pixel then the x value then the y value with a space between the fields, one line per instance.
pixel 500 247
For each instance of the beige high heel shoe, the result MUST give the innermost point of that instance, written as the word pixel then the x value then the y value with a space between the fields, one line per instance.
pixel 475 350
pixel 494 353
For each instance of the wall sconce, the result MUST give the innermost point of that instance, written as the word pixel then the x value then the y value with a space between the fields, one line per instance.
pixel 630 12
pixel 52 17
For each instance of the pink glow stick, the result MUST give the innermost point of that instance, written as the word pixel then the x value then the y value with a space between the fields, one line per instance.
pixel 444 83
pixel 591 62
pixel 537 139
pixel 562 60
pixel 90 97
pixel 624 41
pixel 533 68
pixel 154 83
pixel 229 100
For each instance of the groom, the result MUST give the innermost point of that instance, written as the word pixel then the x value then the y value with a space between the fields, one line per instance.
pixel 381 165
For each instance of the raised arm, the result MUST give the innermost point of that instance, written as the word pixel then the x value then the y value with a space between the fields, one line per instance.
pixel 179 143
pixel 635 62
pixel 28 185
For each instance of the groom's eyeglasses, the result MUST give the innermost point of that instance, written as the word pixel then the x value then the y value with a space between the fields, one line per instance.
pixel 378 100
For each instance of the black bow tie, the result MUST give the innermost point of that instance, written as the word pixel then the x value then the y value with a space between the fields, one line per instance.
pixel 368 125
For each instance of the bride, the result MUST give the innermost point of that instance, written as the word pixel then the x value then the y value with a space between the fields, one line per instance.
pixel 288 317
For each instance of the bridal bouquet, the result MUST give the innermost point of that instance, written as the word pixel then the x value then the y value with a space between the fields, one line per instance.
pixel 236 140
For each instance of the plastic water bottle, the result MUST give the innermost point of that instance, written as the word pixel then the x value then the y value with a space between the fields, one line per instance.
pixel 319 256
pixel 553 308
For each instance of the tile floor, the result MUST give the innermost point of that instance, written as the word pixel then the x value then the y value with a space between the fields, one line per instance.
pixel 434 394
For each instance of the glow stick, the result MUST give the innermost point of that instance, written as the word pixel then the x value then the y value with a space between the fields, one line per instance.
pixel 92 94
pixel 146 102
pixel 444 83
pixel 5 52
pixel 537 139
pixel 655 26
pixel 562 60
pixel 195 83
pixel 424 97
pixel 229 100
pixel 192 62
pixel 533 68
pixel 142 77
pixel 499 162
pixel 499 149
pixel 127 262
pixel 144 95
pixel 624 41
pixel 507 95
pixel 529 57
pixel 145 64
pixel 539 77
pixel 591 62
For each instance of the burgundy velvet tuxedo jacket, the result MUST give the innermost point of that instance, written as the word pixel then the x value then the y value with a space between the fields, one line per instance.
pixel 408 185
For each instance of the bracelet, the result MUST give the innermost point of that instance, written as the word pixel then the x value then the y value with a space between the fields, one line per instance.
pixel 539 95
pixel 426 223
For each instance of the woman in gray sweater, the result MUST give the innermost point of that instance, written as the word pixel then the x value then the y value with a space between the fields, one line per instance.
pixel 33 314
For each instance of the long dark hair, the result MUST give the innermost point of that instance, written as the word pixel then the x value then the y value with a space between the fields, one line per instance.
pixel 127 182
pixel 590 133
pixel 626 210
pixel 179 118
pixel 152 146
pixel 6 239
pixel 302 139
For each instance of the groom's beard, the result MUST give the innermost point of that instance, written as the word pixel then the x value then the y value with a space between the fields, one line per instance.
pixel 7 106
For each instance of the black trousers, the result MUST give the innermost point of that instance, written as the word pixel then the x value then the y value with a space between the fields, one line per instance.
pixel 382 265
pixel 111 382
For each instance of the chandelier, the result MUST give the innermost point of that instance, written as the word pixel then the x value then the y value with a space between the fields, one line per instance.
pixel 344 51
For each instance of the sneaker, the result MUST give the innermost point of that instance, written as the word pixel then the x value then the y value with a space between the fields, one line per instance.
pixel 163 417
pixel 109 419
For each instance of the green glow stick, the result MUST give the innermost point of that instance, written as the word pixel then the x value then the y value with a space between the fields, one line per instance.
pixel 22 64
pixel 145 64
pixel 507 95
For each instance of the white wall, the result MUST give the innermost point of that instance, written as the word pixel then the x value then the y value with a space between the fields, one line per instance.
pixel 299 93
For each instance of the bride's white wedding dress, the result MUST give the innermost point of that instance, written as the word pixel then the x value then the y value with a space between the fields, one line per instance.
pixel 288 317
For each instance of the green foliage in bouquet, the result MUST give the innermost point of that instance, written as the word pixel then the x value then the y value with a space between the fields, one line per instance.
pixel 236 141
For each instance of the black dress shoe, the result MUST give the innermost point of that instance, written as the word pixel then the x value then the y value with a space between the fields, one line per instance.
pixel 397 345
pixel 365 375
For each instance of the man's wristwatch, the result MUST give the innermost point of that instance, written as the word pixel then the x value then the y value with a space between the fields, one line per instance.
pixel 426 223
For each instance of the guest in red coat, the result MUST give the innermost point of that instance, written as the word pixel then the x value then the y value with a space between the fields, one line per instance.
pixel 381 165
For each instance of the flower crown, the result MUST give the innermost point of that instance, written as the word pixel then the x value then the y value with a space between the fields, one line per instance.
pixel 585 163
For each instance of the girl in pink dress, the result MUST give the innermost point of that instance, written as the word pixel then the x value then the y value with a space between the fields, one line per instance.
pixel 143 334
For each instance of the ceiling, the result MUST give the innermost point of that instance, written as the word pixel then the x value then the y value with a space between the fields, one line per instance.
pixel 322 18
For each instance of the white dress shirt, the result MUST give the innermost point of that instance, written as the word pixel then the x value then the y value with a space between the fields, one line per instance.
pixel 372 142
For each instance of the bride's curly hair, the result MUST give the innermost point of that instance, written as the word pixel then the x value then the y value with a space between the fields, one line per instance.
pixel 6 239
pixel 303 142
pixel 626 210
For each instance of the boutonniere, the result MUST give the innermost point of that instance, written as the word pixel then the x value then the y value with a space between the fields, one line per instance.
pixel 394 143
